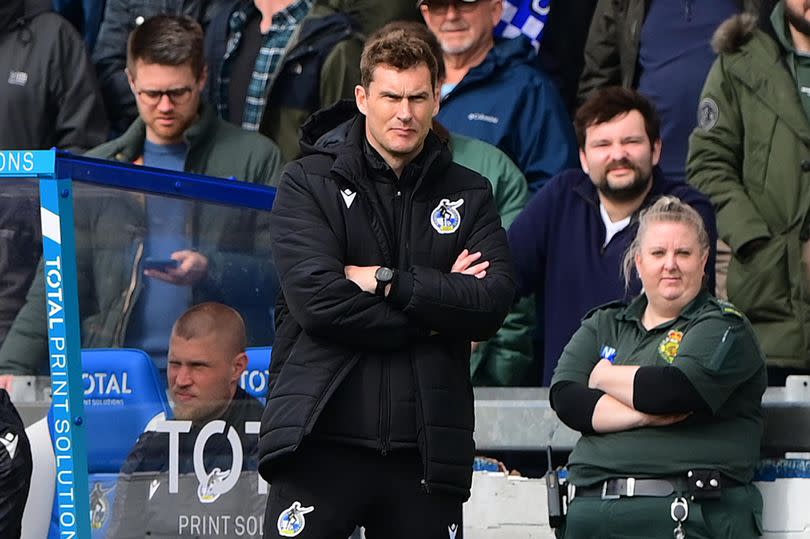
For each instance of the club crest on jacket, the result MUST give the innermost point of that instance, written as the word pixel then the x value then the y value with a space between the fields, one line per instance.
pixel 445 217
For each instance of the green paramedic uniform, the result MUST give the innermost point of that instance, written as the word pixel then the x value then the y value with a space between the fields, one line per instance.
pixel 715 347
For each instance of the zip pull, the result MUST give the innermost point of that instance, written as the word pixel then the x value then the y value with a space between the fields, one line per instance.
pixel 425 486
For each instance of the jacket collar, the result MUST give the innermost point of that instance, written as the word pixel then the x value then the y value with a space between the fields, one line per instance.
pixel 505 53
pixel 635 310
pixel 661 185
pixel 129 146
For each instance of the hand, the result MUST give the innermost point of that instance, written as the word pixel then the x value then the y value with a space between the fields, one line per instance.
pixel 6 381
pixel 363 276
pixel 597 373
pixel 192 268
pixel 465 264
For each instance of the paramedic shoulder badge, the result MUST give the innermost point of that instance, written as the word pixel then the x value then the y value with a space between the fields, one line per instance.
pixel 445 217
pixel 669 347
pixel 291 521
pixel 708 113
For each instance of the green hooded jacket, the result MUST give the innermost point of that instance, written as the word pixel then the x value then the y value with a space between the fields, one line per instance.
pixel 751 155
pixel 503 360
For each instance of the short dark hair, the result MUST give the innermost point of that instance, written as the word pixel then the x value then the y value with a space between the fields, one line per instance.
pixel 419 30
pixel 607 103
pixel 399 47
pixel 170 40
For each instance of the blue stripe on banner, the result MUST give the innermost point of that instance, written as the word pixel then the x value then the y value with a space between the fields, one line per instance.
pixel 527 17
pixel 19 163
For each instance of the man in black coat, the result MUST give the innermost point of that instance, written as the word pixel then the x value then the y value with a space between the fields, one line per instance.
pixel 392 259
pixel 15 468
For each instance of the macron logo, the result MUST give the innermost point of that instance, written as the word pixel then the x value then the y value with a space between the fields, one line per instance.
pixel 452 529
pixel 17 78
pixel 10 440
pixel 348 197
pixel 481 117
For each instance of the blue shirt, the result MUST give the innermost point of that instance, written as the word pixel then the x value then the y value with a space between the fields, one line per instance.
pixel 161 303
pixel 674 58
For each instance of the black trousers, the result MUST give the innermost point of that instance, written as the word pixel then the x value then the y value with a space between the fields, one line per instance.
pixel 326 490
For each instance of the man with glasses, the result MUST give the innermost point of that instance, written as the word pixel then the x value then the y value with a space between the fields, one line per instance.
pixel 149 258
pixel 494 91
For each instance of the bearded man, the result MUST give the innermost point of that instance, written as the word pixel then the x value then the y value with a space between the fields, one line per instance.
pixel 569 240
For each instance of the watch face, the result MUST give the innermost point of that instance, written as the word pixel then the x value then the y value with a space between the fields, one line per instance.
pixel 384 274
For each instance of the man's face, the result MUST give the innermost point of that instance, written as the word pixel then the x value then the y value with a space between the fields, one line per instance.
pixel 619 158
pixel 798 15
pixel 168 98
pixel 399 106
pixel 462 26
pixel 202 376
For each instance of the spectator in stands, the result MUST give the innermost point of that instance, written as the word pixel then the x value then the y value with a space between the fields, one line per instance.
pixel 505 359
pixel 752 162
pixel 20 246
pixel 666 390
pixel 571 237
pixel 495 92
pixel 209 244
pixel 84 15
pixel 49 96
pixel 392 260
pixel 273 63
pixel 563 48
pixel 15 468
pixel 206 359
pixel 121 17
pixel 662 49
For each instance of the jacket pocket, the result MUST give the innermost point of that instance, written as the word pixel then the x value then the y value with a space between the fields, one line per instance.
pixel 760 287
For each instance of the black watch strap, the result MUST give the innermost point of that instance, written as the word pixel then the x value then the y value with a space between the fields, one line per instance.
pixel 384 276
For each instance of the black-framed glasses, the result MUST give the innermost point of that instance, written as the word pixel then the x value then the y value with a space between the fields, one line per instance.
pixel 440 7
pixel 178 96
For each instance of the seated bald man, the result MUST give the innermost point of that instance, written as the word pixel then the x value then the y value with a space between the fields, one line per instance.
pixel 212 416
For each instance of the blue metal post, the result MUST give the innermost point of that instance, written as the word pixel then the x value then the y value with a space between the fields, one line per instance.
pixel 64 344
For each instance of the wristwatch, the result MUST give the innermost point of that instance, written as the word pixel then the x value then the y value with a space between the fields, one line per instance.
pixel 384 277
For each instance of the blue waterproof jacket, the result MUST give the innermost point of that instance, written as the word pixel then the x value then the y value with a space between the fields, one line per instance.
pixel 507 101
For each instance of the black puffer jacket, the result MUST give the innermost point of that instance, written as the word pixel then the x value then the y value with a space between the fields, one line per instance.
pixel 48 90
pixel 328 215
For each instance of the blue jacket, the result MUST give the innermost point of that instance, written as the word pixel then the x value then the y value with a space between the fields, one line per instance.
pixel 511 104
pixel 557 248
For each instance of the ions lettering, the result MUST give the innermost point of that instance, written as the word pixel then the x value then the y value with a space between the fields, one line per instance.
pixel 16 162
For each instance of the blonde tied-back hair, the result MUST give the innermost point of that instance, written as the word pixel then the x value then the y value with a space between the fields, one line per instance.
pixel 667 209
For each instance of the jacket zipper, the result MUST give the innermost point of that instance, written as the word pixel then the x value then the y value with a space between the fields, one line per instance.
pixel 385 371
pixel 118 338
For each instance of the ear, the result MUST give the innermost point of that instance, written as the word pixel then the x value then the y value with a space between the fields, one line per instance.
pixel 361 99
pixel 656 152
pixel 497 12
pixel 583 162
pixel 131 80
pixel 437 97
pixel 203 79
pixel 239 366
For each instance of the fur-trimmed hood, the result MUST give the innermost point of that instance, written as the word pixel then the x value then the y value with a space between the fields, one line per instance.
pixel 734 33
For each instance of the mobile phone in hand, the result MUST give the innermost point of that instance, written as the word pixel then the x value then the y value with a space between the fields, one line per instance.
pixel 159 264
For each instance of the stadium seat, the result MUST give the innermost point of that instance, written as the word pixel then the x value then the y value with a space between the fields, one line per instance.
pixel 254 379
pixel 123 397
